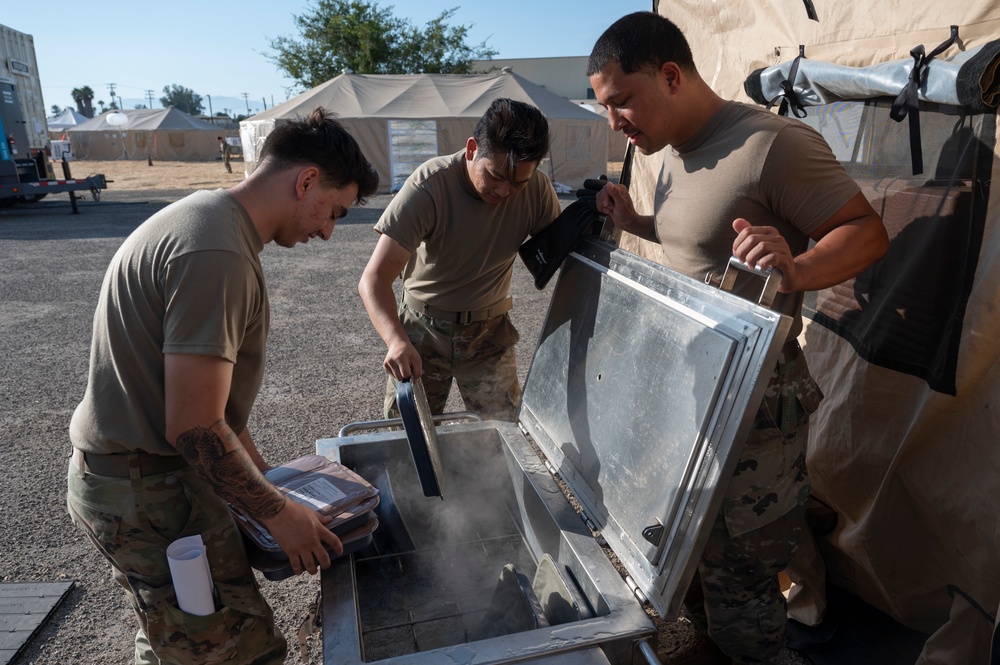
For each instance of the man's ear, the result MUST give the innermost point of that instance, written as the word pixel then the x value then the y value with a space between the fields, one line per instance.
pixel 671 74
pixel 470 149
pixel 307 177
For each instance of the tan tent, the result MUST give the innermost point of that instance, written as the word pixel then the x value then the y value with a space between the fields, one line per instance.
pixel 904 447
pixel 400 121
pixel 68 119
pixel 162 134
pixel 617 143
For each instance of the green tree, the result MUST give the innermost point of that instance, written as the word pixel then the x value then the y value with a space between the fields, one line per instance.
pixel 441 49
pixel 84 98
pixel 361 36
pixel 56 109
pixel 182 98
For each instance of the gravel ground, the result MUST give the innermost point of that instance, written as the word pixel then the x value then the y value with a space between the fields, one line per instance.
pixel 323 371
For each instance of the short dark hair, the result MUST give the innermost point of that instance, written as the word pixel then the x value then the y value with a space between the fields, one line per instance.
pixel 319 139
pixel 641 41
pixel 513 128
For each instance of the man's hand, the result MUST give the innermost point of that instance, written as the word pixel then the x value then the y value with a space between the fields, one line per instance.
pixel 402 360
pixel 763 247
pixel 615 202
pixel 845 244
pixel 302 534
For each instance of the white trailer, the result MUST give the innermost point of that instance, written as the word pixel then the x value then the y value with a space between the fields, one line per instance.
pixel 26 173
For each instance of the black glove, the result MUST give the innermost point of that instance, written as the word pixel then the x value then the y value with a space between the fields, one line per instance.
pixel 591 187
pixel 545 251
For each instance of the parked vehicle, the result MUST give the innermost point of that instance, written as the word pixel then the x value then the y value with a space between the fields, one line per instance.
pixel 26 172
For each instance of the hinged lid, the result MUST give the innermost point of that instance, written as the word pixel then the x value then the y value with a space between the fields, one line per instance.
pixel 641 391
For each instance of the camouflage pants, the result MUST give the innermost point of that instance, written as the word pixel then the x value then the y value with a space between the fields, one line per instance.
pixel 131 521
pixel 479 357
pixel 735 597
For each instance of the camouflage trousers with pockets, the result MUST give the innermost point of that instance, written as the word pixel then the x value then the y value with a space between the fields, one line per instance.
pixel 478 356
pixel 735 597
pixel 132 521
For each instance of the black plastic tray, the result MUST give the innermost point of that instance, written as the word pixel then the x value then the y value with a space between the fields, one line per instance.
pixel 421 434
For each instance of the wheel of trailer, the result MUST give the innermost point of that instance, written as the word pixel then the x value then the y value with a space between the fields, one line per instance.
pixel 34 198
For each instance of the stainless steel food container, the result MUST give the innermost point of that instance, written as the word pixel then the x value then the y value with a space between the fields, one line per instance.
pixel 641 384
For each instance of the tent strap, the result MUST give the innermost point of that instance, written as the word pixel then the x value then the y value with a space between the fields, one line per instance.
pixel 788 96
pixel 907 102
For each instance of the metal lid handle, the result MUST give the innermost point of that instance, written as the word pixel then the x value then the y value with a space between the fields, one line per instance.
pixel 771 277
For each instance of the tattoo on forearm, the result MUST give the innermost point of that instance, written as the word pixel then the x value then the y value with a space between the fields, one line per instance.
pixel 230 471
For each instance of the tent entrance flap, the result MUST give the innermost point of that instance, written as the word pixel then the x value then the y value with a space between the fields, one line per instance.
pixel 411 143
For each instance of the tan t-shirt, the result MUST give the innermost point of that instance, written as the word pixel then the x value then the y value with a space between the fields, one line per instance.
pixel 463 248
pixel 188 280
pixel 746 162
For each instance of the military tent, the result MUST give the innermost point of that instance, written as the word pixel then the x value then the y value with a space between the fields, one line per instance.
pixel 66 120
pixel 162 134
pixel 903 449
pixel 402 120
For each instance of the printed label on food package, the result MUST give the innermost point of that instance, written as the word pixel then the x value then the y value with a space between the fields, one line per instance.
pixel 317 494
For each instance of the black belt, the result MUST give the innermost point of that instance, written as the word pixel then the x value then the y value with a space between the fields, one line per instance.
pixel 463 318
pixel 117 465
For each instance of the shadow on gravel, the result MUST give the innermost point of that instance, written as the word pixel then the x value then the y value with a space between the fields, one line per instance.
pixel 55 221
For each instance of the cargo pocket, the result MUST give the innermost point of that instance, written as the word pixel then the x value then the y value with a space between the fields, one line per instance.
pixel 241 631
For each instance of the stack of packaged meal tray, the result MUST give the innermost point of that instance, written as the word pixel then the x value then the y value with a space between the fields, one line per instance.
pixel 330 489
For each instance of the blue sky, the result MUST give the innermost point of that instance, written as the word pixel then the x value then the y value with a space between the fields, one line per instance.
pixel 219 49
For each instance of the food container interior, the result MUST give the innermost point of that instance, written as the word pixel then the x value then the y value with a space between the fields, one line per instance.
pixel 429 584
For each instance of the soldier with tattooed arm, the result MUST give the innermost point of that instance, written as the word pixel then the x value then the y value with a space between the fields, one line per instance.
pixel 160 439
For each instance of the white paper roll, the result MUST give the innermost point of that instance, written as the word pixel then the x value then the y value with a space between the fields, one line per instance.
pixel 191 574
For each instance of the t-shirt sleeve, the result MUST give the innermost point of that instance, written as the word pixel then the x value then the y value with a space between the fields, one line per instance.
pixel 210 298
pixel 802 181
pixel 409 217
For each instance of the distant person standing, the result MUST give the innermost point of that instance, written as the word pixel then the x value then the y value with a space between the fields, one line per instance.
pixel 225 151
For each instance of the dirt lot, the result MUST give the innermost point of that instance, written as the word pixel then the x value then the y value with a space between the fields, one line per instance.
pixel 323 371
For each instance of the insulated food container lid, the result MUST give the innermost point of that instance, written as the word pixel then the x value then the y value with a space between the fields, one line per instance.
pixel 641 391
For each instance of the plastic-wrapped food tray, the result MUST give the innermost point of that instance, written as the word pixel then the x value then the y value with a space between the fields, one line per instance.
pixel 277 569
pixel 324 485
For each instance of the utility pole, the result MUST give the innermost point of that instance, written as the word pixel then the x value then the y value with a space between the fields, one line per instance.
pixel 149 94
pixel 246 98
pixel 111 90
pixel 209 105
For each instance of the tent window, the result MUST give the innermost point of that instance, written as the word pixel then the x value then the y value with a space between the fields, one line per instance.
pixel 176 139
pixel 411 143
pixel 140 139
pixel 906 311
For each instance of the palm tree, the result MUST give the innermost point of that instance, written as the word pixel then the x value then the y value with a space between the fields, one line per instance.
pixel 84 98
